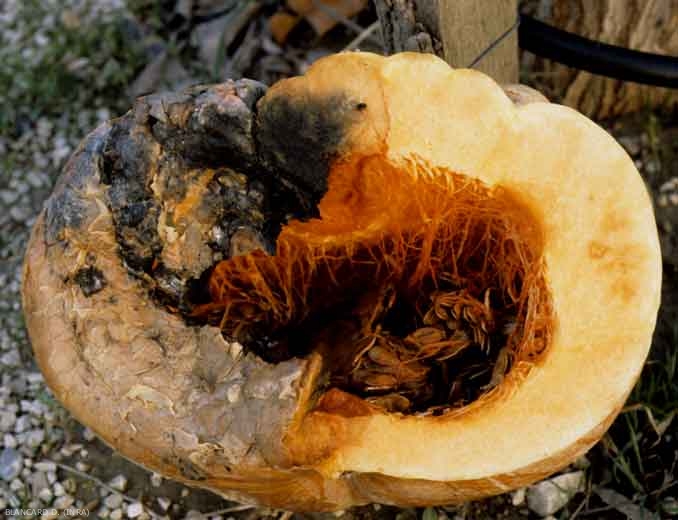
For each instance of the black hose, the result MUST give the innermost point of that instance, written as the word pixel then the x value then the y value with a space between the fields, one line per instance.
pixel 596 57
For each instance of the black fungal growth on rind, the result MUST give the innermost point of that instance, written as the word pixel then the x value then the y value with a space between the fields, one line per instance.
pixel 208 126
pixel 252 164
pixel 300 138
pixel 68 207
pixel 90 280
pixel 127 157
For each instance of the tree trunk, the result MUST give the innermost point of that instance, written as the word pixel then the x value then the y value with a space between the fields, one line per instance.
pixel 644 25
pixel 456 30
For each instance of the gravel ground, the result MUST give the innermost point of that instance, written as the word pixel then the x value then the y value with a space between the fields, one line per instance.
pixel 47 460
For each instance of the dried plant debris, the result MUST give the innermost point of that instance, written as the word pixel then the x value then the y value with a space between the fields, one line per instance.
pixel 322 15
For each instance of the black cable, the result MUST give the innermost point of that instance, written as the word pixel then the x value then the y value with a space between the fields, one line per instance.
pixel 496 42
pixel 596 57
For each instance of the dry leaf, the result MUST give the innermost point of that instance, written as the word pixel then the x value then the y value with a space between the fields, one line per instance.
pixel 281 25
pixel 627 507
pixel 325 14
pixel 322 15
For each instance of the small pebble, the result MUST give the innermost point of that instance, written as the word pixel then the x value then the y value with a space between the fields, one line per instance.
pixel 11 464
pixel 134 509
pixel 58 489
pixel 7 420
pixel 113 501
pixel 23 423
pixel 81 466
pixel 16 485
pixel 549 496
pixel 185 492
pixel 64 502
pixel 35 438
pixel 9 441
pixel 164 503
pixel 119 482
pixel 88 434
pixel 116 514
pixel 45 466
pixel 39 482
pixel 46 495
pixel 156 480
pixel 518 497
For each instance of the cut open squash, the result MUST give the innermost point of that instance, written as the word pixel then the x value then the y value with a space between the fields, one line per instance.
pixel 385 280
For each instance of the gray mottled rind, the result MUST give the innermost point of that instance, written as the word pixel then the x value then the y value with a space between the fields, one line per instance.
pixel 148 374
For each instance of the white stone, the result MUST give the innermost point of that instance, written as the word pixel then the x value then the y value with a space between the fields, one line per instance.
pixel 35 438
pixel 549 496
pixel 64 502
pixel 9 441
pixel 164 503
pixel 134 509
pixel 116 514
pixel 82 466
pixel 34 377
pixel 156 480
pixel 46 495
pixel 7 421
pixel 45 466
pixel 58 489
pixel 518 497
pixel 119 482
pixel 113 501
pixel 22 424
pixel 11 463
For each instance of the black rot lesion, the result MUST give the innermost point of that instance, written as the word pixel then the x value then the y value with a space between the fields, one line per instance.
pixel 300 137
pixel 90 279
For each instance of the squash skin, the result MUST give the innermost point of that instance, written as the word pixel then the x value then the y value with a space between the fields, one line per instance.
pixel 604 269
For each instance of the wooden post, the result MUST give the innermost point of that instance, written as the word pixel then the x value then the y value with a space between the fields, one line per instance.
pixel 457 30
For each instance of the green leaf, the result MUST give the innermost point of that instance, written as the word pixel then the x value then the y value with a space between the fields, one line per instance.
pixel 429 514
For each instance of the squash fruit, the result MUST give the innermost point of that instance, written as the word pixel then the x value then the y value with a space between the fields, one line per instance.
pixel 283 211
